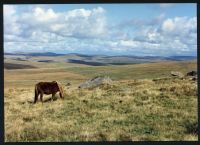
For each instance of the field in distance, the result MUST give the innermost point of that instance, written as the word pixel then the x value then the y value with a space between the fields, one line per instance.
pixel 143 103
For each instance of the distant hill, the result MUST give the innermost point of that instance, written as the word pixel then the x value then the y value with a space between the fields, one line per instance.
pixel 101 60
pixel 121 60
pixel 36 54
pixel 180 58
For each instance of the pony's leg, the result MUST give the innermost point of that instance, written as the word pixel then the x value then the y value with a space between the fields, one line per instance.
pixel 53 96
pixel 36 98
pixel 41 97
pixel 61 96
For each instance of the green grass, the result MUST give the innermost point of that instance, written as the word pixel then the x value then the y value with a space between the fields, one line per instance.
pixel 137 71
pixel 143 103
pixel 127 110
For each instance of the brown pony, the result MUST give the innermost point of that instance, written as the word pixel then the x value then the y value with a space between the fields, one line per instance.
pixel 47 88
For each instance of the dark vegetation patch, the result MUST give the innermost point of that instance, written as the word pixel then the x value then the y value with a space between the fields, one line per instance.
pixel 17 66
pixel 47 61
pixel 123 63
pixel 93 63
pixel 191 127
pixel 86 62
pixel 86 56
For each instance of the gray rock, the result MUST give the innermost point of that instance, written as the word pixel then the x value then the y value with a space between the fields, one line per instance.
pixel 177 74
pixel 96 81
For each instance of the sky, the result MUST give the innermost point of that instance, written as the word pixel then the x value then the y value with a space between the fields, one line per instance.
pixel 108 29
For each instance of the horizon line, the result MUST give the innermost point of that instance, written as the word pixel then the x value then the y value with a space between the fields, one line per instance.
pixel 98 54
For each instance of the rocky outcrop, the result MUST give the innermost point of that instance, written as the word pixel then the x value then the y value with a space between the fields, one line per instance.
pixel 177 74
pixel 95 82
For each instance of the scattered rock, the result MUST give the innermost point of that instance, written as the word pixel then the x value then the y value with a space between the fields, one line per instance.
pixel 96 81
pixel 192 73
pixel 177 74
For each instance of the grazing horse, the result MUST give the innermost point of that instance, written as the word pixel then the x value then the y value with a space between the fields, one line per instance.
pixel 47 88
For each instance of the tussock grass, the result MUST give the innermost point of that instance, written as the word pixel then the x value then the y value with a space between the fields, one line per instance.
pixel 127 110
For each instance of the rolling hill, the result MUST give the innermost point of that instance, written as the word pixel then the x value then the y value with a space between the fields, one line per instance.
pixel 94 60
pixel 144 103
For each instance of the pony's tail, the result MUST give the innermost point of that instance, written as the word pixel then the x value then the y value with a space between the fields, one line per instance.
pixel 36 94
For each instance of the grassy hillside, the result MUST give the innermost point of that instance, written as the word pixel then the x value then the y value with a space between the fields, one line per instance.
pixel 137 71
pixel 143 103
pixel 79 73
pixel 159 109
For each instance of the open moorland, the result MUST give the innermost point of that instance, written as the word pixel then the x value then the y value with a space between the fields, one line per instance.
pixel 144 102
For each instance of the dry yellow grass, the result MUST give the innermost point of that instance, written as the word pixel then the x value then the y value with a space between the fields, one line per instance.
pixel 130 109
pixel 28 77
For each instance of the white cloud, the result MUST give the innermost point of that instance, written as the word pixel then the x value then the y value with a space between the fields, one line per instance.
pixel 168 25
pixel 44 16
pixel 79 30
pixel 129 43
pixel 181 33
pixel 180 25
pixel 78 23
pixel 10 21
pixel 75 23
